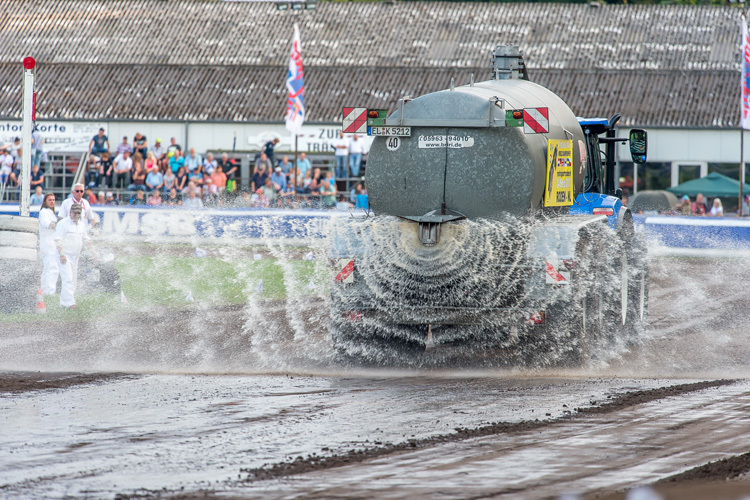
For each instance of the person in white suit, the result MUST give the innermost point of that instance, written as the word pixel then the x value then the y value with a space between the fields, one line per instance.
pixel 70 236
pixel 47 249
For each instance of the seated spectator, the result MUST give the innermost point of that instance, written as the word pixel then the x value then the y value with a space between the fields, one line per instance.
pixel 37 177
pixel 176 161
pixel 288 193
pixel 105 164
pixel 155 198
pixel 124 146
pixel 140 145
pixel 209 164
pixel 263 161
pixel 139 179
pixel 120 170
pixel 15 150
pixel 139 198
pixel 190 187
pixel 154 181
pixel 210 193
pixel 244 200
pixel 6 167
pixel 170 180
pixel 15 176
pixel 93 169
pixel 317 176
pixel 174 198
pixel 37 197
pixel 259 178
pixel 313 189
pixel 303 164
pixel 699 207
pixel 192 199
pixel 362 200
pixel 717 210
pixel 99 143
pixel 278 180
pixel 150 164
pixel 196 176
pixel 229 166
pixel 101 200
pixel 684 206
pixel 259 198
pixel 328 191
pixel 219 179
pixel 193 161
pixel 286 165
pixel 111 199
pixel 160 151
pixel 88 193
pixel 307 179
pixel 181 180
pixel 173 147
pixel 270 191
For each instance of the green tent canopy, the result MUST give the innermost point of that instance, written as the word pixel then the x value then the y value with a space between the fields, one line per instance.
pixel 713 185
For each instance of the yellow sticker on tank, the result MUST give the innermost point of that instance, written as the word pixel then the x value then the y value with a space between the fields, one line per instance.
pixel 559 189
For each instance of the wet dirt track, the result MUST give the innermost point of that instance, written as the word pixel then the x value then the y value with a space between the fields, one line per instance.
pixel 275 429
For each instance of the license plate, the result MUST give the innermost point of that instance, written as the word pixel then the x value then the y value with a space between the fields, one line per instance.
pixel 390 131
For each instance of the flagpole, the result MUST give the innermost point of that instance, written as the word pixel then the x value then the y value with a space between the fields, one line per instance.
pixel 742 164
pixel 743 101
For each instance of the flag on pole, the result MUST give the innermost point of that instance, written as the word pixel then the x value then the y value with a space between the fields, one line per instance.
pixel 745 103
pixel 295 83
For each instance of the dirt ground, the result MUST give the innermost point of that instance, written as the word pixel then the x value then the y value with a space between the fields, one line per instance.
pixel 676 402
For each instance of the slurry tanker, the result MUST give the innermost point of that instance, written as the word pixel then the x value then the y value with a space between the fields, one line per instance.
pixel 496 230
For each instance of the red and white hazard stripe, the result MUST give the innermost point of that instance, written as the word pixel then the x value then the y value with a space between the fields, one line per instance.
pixel 346 275
pixel 536 120
pixel 556 277
pixel 355 121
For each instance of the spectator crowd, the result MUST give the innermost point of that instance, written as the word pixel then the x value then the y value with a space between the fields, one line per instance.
pixel 166 175
pixel 138 172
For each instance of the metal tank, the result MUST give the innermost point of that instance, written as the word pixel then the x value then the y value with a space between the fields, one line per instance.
pixel 487 167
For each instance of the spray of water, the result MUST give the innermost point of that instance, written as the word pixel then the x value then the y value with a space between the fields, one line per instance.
pixel 481 293
pixel 465 302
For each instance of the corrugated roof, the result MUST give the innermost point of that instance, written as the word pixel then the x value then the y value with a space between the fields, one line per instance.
pixel 226 61
pixel 251 93
pixel 428 34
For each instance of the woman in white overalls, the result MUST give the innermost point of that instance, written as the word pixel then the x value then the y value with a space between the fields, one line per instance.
pixel 47 223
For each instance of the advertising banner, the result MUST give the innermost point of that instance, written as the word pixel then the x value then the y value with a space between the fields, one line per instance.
pixel 559 190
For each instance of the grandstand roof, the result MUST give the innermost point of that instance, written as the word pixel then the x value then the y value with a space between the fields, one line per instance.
pixel 672 66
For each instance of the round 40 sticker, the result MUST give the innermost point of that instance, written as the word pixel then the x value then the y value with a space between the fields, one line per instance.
pixel 392 143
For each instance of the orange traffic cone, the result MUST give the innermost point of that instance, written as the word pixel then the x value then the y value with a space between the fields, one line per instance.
pixel 40 303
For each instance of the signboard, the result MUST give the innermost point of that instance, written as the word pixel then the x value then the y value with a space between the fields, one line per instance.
pixel 441 141
pixel 536 120
pixel 355 121
pixel 559 189
pixel 59 136
pixel 390 131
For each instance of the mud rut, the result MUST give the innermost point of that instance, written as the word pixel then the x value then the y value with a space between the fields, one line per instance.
pixel 673 431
